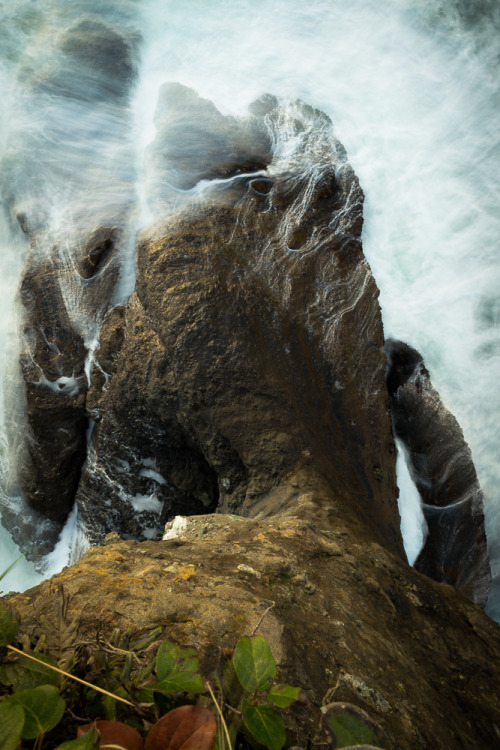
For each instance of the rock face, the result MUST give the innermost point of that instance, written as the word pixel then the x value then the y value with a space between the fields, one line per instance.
pixel 248 366
pixel 67 181
pixel 347 620
pixel 249 363
pixel 244 385
pixel 455 551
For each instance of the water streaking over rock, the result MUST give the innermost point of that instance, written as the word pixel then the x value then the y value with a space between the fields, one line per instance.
pixel 68 182
pixel 441 464
pixel 248 366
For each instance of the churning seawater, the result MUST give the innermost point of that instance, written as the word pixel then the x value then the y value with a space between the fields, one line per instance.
pixel 413 90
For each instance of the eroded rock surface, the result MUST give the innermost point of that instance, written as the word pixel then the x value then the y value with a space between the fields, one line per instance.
pixel 249 363
pixel 243 384
pixel 346 619
pixel 441 465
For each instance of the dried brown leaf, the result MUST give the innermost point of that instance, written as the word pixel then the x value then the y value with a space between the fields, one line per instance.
pixel 115 734
pixel 184 728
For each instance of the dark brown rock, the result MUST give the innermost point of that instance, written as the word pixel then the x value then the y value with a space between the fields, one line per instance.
pixel 441 465
pixel 249 370
pixel 52 363
pixel 61 310
pixel 246 376
pixel 68 181
pixel 99 64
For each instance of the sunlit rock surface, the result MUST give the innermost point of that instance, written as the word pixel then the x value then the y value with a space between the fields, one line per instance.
pixel 243 384
pixel 346 619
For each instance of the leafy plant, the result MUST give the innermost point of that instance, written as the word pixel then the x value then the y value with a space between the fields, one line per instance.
pixel 253 668
pixel 129 689
pixel 348 726
pixel 131 680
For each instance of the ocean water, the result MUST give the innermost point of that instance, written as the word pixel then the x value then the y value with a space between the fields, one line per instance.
pixel 412 87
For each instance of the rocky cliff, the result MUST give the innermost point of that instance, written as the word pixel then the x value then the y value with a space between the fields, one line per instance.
pixel 244 385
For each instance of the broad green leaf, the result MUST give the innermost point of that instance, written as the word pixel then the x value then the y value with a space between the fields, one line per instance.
pixel 11 725
pixel 43 709
pixel 166 658
pixel 266 725
pixel 283 696
pixel 254 664
pixel 88 741
pixel 348 730
pixel 171 658
pixel 188 660
pixel 146 695
pixel 23 674
pixel 349 725
pixel 180 682
pixel 8 624
pixel 177 670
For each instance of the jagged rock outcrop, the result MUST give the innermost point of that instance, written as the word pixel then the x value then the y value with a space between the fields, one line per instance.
pixel 347 620
pixel 441 465
pixel 70 189
pixel 249 363
pixel 248 366
pixel 244 384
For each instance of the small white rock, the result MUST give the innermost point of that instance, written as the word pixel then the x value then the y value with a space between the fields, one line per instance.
pixel 249 570
pixel 175 528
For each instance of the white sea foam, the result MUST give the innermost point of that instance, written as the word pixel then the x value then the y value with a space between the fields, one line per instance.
pixel 146 503
pixel 413 524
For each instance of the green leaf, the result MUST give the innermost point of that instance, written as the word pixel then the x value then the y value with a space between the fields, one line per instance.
pixel 8 624
pixel 349 725
pixel 172 658
pixel 11 725
pixel 266 725
pixel 23 674
pixel 180 682
pixel 88 741
pixel 283 696
pixel 348 730
pixel 177 670
pixel 254 664
pixel 166 658
pixel 43 709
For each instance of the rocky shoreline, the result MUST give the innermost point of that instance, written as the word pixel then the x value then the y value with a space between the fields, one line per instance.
pixel 243 386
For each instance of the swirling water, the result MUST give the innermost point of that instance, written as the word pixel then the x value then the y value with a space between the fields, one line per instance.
pixel 413 91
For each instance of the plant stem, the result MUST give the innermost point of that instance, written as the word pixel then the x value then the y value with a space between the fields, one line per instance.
pixel 209 688
pixel 72 677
